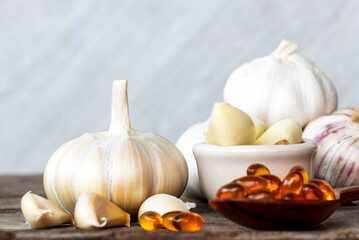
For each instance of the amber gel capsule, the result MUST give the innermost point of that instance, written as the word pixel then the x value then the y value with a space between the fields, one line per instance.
pixel 188 222
pixel 274 181
pixel 311 191
pixel 292 196
pixel 231 190
pixel 168 220
pixel 302 171
pixel 260 194
pixel 151 221
pixel 257 169
pixel 327 190
pixel 251 183
pixel 292 183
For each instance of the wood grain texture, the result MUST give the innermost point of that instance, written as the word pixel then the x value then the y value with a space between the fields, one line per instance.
pixel 342 225
pixel 58 59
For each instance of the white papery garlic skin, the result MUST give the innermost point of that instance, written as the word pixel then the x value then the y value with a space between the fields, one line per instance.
pixel 279 86
pixel 124 165
pixel 192 136
pixel 337 136
pixel 42 213
pixel 164 203
pixel 95 211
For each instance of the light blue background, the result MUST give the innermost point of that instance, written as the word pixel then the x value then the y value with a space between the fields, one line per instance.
pixel 58 59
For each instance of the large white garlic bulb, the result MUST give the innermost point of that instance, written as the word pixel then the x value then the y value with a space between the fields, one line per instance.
pixel 337 136
pixel 279 86
pixel 124 165
pixel 193 135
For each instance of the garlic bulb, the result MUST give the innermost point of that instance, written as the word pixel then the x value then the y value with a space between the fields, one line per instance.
pixel 42 213
pixel 229 126
pixel 279 86
pixel 193 135
pixel 164 203
pixel 95 211
pixel 337 136
pixel 124 165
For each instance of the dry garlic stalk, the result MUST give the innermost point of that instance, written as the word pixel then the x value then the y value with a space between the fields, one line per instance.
pixel 42 213
pixel 94 211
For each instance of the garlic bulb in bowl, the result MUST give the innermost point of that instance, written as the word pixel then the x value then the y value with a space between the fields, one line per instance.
pixel 124 165
pixel 279 86
pixel 193 135
pixel 337 136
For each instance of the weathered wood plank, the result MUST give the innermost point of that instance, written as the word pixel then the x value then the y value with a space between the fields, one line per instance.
pixel 343 224
pixel 17 186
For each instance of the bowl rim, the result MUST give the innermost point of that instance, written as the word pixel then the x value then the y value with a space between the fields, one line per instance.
pixel 306 144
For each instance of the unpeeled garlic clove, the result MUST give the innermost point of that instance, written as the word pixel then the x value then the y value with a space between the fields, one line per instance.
pixel 259 126
pixel 42 213
pixel 287 131
pixel 95 211
pixel 164 203
pixel 229 126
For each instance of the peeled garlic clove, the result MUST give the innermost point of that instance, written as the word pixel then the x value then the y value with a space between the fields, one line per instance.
pixel 164 203
pixel 287 131
pixel 95 211
pixel 259 125
pixel 42 213
pixel 230 126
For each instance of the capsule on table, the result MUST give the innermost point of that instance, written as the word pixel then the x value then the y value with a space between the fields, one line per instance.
pixel 292 196
pixel 260 194
pixel 302 172
pixel 168 220
pixel 292 183
pixel 251 183
pixel 151 221
pixel 231 190
pixel 311 191
pixel 188 222
pixel 257 169
pixel 276 194
pixel 274 181
pixel 327 190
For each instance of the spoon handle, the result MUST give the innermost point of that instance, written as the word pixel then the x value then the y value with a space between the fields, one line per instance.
pixel 348 194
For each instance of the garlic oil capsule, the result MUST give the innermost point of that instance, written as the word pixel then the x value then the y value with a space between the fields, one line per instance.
pixel 42 213
pixel 151 221
pixel 287 131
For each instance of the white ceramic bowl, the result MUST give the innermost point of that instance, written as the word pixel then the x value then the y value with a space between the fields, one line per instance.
pixel 218 166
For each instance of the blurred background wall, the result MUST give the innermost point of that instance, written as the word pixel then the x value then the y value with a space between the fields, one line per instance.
pixel 58 59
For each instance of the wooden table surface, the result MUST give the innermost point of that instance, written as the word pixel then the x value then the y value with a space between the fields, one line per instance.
pixel 344 224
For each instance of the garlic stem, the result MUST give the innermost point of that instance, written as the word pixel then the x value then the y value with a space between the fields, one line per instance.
pixel 120 120
pixel 284 49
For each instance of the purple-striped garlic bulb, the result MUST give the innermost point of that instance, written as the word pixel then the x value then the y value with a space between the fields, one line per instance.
pixel 337 136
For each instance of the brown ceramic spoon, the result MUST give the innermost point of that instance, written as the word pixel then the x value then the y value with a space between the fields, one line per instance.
pixel 282 214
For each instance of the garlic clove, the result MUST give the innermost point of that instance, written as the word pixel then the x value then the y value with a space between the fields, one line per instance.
pixel 42 213
pixel 95 211
pixel 230 126
pixel 259 126
pixel 287 131
pixel 164 203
